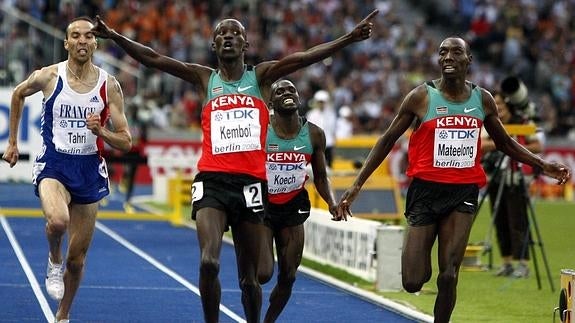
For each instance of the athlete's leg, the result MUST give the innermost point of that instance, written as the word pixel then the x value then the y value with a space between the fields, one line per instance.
pixel 416 256
pixel 289 248
pixel 210 226
pixel 55 199
pixel 82 223
pixel 249 239
pixel 453 235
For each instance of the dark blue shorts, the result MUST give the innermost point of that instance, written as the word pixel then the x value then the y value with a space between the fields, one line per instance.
pixel 290 214
pixel 242 197
pixel 427 202
pixel 85 177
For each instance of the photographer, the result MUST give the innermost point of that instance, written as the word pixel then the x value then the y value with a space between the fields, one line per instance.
pixel 511 218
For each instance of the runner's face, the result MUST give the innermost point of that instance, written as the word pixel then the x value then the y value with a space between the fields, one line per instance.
pixel 80 42
pixel 229 39
pixel 284 97
pixel 453 57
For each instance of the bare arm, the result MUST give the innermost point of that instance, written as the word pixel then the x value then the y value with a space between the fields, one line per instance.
pixel 269 72
pixel 410 109
pixel 513 149
pixel 319 168
pixel 39 80
pixel 193 73
pixel 532 143
pixel 120 137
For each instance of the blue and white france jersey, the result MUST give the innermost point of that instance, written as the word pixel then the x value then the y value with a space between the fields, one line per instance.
pixel 63 124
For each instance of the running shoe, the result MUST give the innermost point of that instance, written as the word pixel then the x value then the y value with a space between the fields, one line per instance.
pixel 505 270
pixel 55 280
pixel 522 271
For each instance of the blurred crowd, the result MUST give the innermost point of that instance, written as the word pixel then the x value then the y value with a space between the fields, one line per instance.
pixel 530 39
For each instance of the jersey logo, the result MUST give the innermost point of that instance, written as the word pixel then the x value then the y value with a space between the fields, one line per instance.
pixel 467 110
pixel 217 89
pixel 296 148
pixel 94 99
pixel 300 211
pixel 441 110
pixel 241 89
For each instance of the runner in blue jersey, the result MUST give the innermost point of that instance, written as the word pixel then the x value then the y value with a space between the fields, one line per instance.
pixel 70 174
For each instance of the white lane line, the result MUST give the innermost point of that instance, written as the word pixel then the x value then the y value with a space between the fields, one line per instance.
pixel 27 270
pixel 162 268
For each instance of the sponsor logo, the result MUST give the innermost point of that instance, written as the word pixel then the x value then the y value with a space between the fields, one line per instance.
pixel 94 99
pixel 299 211
pixel 244 88
pixel 296 148
pixel 258 210
pixel 468 203
pixel 467 110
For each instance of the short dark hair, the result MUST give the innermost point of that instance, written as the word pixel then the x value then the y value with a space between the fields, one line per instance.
pixel 86 18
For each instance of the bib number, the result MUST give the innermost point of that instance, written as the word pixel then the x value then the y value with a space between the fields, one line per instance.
pixel 197 191
pixel 253 195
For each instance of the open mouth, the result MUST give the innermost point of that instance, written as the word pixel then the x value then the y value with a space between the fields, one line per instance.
pixel 227 45
pixel 288 101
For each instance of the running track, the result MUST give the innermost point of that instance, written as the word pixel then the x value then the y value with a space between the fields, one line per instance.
pixel 146 271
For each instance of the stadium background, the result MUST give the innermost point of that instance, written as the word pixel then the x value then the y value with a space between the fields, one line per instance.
pixel 533 40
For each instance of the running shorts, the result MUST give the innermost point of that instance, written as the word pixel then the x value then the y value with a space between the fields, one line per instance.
pixel 427 202
pixel 85 177
pixel 289 214
pixel 242 197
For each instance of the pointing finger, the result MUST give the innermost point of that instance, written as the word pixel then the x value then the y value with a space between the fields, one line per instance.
pixel 371 15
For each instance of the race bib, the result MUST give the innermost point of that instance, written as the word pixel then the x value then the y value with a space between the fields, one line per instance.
pixel 235 130
pixel 455 148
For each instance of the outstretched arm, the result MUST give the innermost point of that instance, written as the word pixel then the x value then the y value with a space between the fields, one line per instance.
pixel 513 149
pixel 193 73
pixel 269 72
pixel 409 110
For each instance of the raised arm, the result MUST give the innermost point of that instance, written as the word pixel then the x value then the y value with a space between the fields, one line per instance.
pixel 513 149
pixel 193 73
pixel 39 80
pixel 269 72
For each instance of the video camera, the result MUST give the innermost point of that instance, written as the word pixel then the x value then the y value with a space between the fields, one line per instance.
pixel 516 96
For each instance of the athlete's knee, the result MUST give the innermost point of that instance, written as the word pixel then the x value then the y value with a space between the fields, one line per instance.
pixel 56 225
pixel 75 264
pixel 265 274
pixel 411 286
pixel 249 285
pixel 413 283
pixel 447 279
pixel 287 278
pixel 209 267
